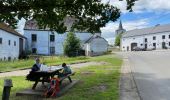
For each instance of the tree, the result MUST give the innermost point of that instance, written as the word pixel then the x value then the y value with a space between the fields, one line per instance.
pixel 117 40
pixel 71 45
pixel 90 15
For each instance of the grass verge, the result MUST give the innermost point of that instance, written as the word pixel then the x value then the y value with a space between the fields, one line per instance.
pixel 97 82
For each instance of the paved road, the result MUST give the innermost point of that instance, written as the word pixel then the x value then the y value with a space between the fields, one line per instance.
pixel 151 72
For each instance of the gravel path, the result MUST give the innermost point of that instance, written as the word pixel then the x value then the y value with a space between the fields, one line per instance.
pixel 25 72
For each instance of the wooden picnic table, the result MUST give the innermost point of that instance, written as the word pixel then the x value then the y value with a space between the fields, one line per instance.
pixel 45 76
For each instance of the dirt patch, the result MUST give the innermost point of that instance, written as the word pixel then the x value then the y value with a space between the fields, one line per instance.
pixel 87 73
pixel 100 88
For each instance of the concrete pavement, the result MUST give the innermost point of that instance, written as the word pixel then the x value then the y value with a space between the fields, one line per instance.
pixel 151 70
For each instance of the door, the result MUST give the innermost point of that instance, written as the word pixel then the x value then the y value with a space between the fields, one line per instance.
pixel 163 45
pixel 146 46
pixel 133 45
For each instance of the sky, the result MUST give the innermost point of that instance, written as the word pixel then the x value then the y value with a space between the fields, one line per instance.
pixel 146 13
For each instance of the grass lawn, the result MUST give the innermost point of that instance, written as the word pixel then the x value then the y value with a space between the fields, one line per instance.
pixel 22 64
pixel 97 82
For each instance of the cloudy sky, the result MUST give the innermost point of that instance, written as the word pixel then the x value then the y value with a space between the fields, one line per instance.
pixel 146 13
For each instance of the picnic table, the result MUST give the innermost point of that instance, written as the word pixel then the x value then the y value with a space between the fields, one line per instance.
pixel 45 76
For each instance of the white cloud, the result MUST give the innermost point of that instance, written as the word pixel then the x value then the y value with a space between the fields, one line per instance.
pixel 108 32
pixel 142 5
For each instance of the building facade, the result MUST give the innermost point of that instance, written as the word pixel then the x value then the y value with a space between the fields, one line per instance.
pixel 157 37
pixel 46 42
pixel 96 45
pixel 11 43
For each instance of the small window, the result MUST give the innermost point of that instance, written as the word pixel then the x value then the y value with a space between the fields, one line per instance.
pixel 14 43
pixel 154 38
pixel 34 37
pixel 52 38
pixel 163 36
pixel 34 50
pixel 9 42
pixel 154 44
pixel 146 40
pixel 52 50
pixel 0 40
pixel 141 44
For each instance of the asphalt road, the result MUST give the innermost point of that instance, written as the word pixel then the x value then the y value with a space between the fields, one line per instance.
pixel 151 72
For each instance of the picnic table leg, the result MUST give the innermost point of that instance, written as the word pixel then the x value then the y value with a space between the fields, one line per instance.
pixel 35 84
pixel 69 78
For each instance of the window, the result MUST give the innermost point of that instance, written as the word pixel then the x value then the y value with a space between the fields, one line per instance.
pixel 163 36
pixel 9 42
pixel 154 38
pixel 141 44
pixel 34 50
pixel 169 43
pixel 52 38
pixel 34 37
pixel 52 50
pixel 146 40
pixel 0 40
pixel 14 43
pixel 154 44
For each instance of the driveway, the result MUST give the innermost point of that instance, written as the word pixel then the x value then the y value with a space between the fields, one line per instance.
pixel 151 71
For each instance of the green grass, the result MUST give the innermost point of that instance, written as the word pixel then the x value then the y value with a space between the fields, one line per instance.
pixel 22 64
pixel 101 83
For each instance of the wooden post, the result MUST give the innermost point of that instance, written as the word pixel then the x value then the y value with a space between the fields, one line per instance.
pixel 7 89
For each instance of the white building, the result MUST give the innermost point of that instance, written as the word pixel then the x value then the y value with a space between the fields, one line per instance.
pixel 11 43
pixel 157 37
pixel 96 45
pixel 46 42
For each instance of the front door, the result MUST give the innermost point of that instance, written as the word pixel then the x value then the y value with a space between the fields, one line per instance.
pixel 163 45
pixel 133 45
pixel 146 46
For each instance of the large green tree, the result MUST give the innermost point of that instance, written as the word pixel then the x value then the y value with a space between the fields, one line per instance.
pixel 71 45
pixel 90 15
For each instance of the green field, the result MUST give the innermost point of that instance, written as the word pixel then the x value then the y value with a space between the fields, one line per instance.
pixel 101 82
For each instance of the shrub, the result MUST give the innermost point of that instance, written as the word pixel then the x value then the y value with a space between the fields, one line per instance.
pixel 72 45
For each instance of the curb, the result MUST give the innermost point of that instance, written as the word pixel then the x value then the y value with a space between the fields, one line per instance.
pixel 127 85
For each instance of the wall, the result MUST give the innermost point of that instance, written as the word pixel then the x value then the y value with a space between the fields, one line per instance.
pixel 43 41
pixel 9 50
pixel 126 42
pixel 97 46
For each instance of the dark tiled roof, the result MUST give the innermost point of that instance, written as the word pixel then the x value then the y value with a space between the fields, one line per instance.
pixel 6 28
pixel 94 37
pixel 146 31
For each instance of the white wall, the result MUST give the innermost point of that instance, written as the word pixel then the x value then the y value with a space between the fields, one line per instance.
pixel 43 41
pixel 99 45
pixel 126 42
pixel 8 50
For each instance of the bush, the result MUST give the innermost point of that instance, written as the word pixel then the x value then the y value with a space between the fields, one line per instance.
pixel 72 45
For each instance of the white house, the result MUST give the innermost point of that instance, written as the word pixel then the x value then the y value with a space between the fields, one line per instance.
pixel 11 43
pixel 46 42
pixel 96 45
pixel 157 37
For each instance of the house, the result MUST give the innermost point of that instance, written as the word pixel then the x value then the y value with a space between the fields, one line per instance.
pixel 96 45
pixel 46 42
pixel 11 43
pixel 157 37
